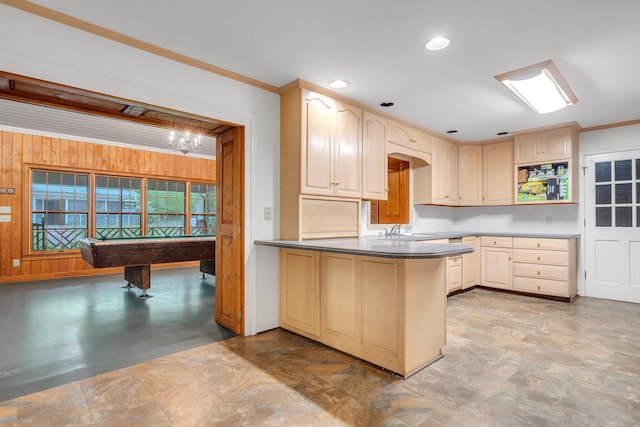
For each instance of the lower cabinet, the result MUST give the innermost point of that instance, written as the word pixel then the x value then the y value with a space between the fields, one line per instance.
pixel 497 262
pixel 299 291
pixel 390 312
pixel 471 263
pixel 545 266
pixel 463 271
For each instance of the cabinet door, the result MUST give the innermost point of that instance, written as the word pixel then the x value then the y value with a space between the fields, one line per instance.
pixel 470 176
pixel 382 308
pixel 347 149
pixel 316 154
pixel 527 149
pixel 374 157
pixel 497 268
pixel 422 141
pixel 497 173
pixel 454 273
pixel 299 289
pixel 444 173
pixel 340 301
pixel 556 145
pixel 399 133
pixel 471 263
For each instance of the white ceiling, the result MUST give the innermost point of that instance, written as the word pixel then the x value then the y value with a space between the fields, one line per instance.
pixel 378 46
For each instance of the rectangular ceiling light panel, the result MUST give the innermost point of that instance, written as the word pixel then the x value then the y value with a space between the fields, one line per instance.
pixel 540 86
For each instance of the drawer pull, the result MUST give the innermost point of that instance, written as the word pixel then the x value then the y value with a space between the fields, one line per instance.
pixel 538 258
pixel 538 287
pixel 494 242
pixel 538 273
pixel 538 244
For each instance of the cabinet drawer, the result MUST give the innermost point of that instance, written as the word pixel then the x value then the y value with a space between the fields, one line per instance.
pixel 497 241
pixel 541 286
pixel 552 272
pixel 536 243
pixel 541 257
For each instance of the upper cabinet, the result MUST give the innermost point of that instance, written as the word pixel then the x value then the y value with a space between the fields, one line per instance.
pixel 545 146
pixel 331 147
pixel 374 157
pixel 497 173
pixel 409 137
pixel 470 175
pixel 444 173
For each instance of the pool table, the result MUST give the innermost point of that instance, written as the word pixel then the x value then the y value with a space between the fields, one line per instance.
pixel 137 254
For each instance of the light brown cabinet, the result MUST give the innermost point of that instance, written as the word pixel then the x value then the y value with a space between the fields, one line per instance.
pixel 390 312
pixel 331 147
pixel 545 146
pixel 320 165
pixel 409 137
pixel 444 173
pixel 374 157
pixel 471 263
pixel 497 173
pixel 545 266
pixel 497 262
pixel 299 291
pixel 470 175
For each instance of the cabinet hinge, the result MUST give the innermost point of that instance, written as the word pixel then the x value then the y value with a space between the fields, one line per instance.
pixel 585 274
pixel 584 170
pixel 585 222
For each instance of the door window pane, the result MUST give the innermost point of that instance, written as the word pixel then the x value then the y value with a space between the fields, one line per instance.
pixel 603 217
pixel 624 216
pixel 623 170
pixel 603 172
pixel 623 193
pixel 603 194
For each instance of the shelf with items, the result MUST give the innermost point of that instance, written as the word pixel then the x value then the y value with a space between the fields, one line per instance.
pixel 546 183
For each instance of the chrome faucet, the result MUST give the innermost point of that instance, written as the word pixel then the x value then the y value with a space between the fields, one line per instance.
pixel 395 231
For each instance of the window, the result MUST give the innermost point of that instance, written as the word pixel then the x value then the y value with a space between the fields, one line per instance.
pixel 59 210
pixel 203 209
pixel 67 206
pixel 615 204
pixel 165 208
pixel 117 207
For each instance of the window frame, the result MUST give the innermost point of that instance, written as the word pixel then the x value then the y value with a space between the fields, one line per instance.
pixel 27 230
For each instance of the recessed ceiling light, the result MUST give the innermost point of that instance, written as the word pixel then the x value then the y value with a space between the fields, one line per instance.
pixel 338 84
pixel 452 131
pixel 437 43
pixel 386 104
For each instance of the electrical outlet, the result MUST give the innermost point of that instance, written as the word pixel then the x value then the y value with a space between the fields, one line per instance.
pixel 16 263
pixel 267 214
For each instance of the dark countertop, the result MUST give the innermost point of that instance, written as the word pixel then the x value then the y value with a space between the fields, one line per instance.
pixel 373 246
pixel 459 234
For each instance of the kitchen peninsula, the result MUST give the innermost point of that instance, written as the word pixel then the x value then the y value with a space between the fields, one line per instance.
pixel 381 300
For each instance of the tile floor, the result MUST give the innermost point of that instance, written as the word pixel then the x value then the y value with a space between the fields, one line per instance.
pixel 509 361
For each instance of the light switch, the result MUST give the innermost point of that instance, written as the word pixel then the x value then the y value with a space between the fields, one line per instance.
pixel 267 214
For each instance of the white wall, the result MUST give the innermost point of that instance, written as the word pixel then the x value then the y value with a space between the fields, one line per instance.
pixel 35 47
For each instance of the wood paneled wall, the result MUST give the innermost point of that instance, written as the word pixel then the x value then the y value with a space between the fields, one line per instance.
pixel 20 151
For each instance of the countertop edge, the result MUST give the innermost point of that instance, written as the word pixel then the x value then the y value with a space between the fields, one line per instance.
pixel 415 253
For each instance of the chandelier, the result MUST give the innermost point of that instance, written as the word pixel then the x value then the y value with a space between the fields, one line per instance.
pixel 185 144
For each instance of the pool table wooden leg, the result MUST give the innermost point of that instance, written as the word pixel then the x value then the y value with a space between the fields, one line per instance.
pixel 140 277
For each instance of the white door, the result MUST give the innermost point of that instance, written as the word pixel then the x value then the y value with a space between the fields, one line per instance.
pixel 612 228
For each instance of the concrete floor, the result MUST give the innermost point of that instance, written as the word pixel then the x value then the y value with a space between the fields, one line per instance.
pixel 509 361
pixel 59 331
